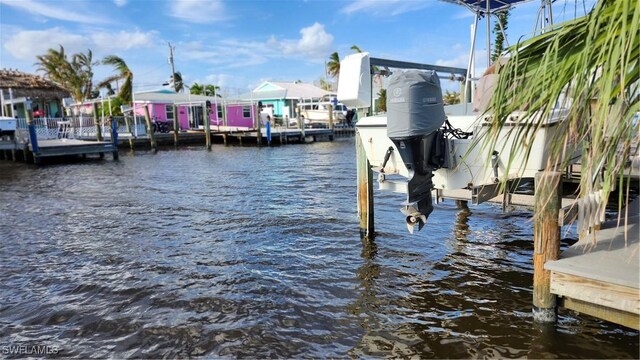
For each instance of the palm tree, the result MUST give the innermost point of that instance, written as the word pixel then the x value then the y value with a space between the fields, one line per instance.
pixel 196 89
pixel 325 85
pixel 83 64
pixel 71 76
pixel 382 100
pixel 356 48
pixel 333 66
pixel 124 73
pixel 595 62
pixel 212 90
pixel 176 79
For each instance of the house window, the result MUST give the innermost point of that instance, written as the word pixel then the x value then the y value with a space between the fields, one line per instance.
pixel 220 114
pixel 246 112
pixel 169 111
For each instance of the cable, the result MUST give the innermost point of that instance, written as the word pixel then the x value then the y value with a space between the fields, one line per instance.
pixel 451 132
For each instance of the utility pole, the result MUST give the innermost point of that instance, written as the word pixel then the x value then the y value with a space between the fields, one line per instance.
pixel 173 67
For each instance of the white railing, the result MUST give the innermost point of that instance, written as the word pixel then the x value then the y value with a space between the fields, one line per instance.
pixel 81 127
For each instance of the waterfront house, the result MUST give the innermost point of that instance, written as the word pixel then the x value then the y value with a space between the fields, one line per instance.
pixel 281 98
pixel 190 109
pixel 16 88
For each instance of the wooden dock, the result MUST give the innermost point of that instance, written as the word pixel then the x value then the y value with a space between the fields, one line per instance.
pixel 602 278
pixel 238 136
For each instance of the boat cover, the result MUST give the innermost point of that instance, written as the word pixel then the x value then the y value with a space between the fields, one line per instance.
pixel 414 104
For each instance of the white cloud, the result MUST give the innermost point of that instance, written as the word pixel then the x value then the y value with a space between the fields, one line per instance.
pixel 200 12
pixel 25 45
pixel 123 40
pixel 385 7
pixel 314 43
pixel 120 3
pixel 54 10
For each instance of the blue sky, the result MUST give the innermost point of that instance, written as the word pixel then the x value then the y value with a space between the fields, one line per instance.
pixel 238 44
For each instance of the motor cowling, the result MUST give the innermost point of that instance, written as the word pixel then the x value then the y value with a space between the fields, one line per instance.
pixel 415 112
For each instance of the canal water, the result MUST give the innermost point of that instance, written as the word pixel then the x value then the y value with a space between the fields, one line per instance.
pixel 255 252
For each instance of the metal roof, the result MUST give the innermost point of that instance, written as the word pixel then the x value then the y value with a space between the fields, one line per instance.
pixel 481 5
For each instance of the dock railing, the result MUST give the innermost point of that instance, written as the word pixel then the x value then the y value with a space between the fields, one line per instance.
pixel 78 128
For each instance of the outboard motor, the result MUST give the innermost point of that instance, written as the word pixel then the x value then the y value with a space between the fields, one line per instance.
pixel 415 112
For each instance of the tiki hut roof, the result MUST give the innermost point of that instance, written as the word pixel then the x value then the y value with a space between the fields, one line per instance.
pixel 28 85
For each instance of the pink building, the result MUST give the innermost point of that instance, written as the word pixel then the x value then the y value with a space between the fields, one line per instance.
pixel 190 109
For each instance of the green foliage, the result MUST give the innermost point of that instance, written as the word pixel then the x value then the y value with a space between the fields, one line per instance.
pixel 503 18
pixel 333 66
pixel 450 98
pixel 124 74
pixel 207 90
pixel 196 89
pixel 75 75
pixel 381 102
pixel 593 61
pixel 116 102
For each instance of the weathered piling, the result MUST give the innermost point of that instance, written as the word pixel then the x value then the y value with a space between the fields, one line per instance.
pixel 176 126
pixel 258 126
pixel 96 122
pixel 33 137
pixel 331 126
pixel 127 125
pixel 206 109
pixel 546 246
pixel 152 137
pixel 365 191
pixel 301 124
pixel 114 137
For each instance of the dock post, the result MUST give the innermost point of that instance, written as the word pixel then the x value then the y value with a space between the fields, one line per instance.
pixel 114 137
pixel 546 242
pixel 224 139
pixel 301 124
pixel 365 191
pixel 152 137
pixel 96 122
pixel 176 125
pixel 127 125
pixel 258 126
pixel 331 126
pixel 268 133
pixel 207 125
pixel 33 138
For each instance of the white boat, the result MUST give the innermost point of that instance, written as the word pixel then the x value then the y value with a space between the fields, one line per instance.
pixel 8 126
pixel 478 170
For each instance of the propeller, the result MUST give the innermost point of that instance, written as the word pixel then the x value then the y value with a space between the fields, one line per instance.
pixel 413 218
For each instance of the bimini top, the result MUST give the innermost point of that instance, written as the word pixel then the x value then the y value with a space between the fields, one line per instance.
pixel 481 5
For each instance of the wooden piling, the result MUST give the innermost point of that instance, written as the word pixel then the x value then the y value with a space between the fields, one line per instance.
pixel 331 126
pixel 114 137
pixel 152 136
pixel 365 191
pixel 548 200
pixel 224 139
pixel 207 126
pixel 127 125
pixel 96 122
pixel 176 126
pixel 258 126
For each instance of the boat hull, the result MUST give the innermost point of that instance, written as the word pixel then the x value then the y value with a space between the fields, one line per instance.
pixel 468 166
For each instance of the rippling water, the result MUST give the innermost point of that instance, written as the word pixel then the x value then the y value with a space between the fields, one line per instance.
pixel 255 252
